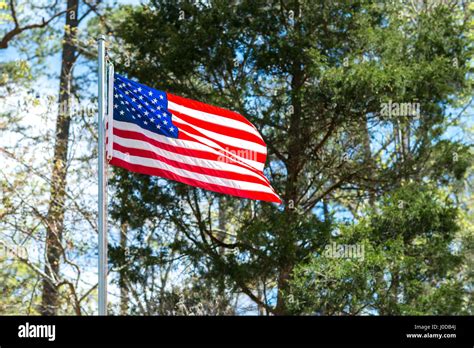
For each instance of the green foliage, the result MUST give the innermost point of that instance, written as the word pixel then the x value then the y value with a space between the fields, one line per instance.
pixel 410 264
pixel 14 72
pixel 19 288
pixel 313 77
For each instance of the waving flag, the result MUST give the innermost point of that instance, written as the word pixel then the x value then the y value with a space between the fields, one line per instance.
pixel 158 133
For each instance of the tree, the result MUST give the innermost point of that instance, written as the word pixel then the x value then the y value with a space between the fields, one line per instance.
pixel 305 74
pixel 56 212
pixel 410 234
pixel 55 215
pixel 34 202
pixel 19 288
pixel 21 24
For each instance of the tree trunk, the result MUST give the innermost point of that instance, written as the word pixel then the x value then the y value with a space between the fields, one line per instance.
pixel 296 135
pixel 55 217
pixel 221 222
pixel 368 158
pixel 123 282
pixel 405 134
pixel 221 235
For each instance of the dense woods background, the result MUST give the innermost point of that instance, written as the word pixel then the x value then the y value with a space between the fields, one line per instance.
pixel 366 109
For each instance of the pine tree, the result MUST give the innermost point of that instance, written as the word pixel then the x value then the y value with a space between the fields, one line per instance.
pixel 315 79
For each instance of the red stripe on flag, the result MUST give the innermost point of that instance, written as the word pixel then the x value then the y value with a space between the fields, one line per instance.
pixel 197 169
pixel 182 150
pixel 242 152
pixel 211 109
pixel 221 129
pixel 207 186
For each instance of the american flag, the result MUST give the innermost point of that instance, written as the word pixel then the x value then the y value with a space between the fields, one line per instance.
pixel 158 133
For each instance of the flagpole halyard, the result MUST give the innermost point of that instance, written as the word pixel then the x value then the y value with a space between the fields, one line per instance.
pixel 102 200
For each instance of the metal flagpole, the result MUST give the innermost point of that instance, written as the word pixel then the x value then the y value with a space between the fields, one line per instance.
pixel 102 183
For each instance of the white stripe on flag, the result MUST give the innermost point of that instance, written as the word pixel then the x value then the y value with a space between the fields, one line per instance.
pixel 151 163
pixel 202 144
pixel 212 118
pixel 195 161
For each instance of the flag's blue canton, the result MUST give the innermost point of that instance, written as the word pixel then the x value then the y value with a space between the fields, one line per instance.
pixel 142 105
